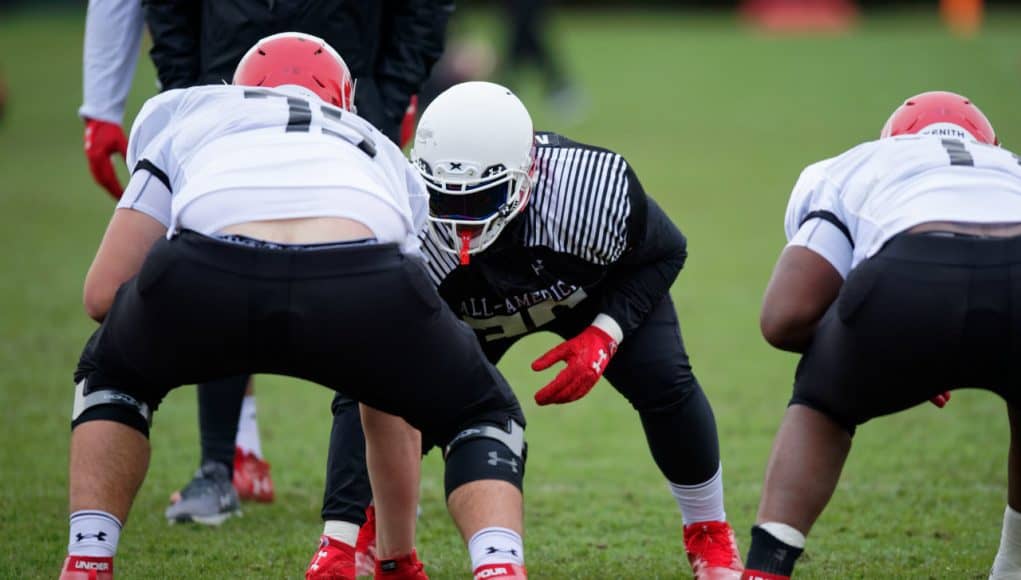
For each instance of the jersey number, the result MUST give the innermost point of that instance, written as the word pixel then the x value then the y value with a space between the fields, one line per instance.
pixel 299 118
pixel 959 154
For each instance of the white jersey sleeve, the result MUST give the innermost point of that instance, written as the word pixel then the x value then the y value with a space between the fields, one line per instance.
pixel 149 146
pixel 815 219
pixel 113 34
pixel 147 194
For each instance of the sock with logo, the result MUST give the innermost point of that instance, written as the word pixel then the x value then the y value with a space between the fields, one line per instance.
pixel 248 428
pixel 496 546
pixel 93 533
pixel 775 548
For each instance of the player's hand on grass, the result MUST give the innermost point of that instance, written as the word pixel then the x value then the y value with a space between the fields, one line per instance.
pixel 941 399
pixel 586 356
pixel 102 140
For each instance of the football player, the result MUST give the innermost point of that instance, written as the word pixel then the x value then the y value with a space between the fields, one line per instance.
pixel 534 232
pixel 267 229
pixel 899 282
pixel 391 47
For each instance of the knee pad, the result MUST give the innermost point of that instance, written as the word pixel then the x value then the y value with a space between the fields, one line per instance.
pixel 110 404
pixel 486 451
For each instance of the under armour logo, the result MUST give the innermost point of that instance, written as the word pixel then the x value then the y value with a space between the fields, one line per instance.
pixel 537 266
pixel 598 364
pixel 494 550
pixel 456 166
pixel 101 536
pixel 495 460
pixel 321 554
pixel 225 500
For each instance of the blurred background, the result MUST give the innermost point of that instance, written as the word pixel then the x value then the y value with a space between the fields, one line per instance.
pixel 718 106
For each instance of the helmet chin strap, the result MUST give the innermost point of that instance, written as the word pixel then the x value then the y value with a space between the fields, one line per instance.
pixel 466 239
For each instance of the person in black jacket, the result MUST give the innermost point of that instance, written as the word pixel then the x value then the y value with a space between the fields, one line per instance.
pixel 536 232
pixel 390 47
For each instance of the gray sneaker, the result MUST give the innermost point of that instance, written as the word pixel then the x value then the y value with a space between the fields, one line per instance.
pixel 209 498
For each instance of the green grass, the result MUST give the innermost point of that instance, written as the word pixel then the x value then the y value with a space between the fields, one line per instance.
pixel 718 122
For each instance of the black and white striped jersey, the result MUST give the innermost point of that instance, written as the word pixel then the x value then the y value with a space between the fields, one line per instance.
pixel 589 232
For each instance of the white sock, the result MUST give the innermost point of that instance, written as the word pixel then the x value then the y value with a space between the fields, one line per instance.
pixel 346 532
pixel 93 533
pixel 786 534
pixel 248 429
pixel 496 546
pixel 1008 558
pixel 702 502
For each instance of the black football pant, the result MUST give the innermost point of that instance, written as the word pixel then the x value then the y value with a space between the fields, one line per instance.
pixel 650 369
pixel 201 308
pixel 928 313
pixel 219 405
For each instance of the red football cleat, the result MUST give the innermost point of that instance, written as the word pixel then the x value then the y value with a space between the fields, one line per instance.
pixel 712 551
pixel 333 560
pixel 757 575
pixel 404 568
pixel 87 568
pixel 365 545
pixel 251 477
pixel 500 572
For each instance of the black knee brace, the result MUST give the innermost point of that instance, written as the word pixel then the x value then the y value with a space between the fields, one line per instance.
pixel 486 451
pixel 110 404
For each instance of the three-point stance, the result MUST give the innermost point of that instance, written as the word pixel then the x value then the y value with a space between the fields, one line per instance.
pixel 267 229
pixel 925 225
pixel 535 232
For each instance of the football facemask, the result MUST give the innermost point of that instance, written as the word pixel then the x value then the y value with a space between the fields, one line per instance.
pixel 467 217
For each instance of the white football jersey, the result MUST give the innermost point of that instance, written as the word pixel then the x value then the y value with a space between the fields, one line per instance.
pixel 227 154
pixel 878 189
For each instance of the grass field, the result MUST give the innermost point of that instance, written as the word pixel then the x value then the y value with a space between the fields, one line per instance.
pixel 717 122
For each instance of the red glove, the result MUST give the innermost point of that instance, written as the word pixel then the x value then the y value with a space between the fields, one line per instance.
pixel 586 356
pixel 102 140
pixel 941 399
pixel 408 122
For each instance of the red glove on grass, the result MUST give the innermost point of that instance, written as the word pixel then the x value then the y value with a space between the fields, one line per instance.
pixel 586 356
pixel 102 140
pixel 941 399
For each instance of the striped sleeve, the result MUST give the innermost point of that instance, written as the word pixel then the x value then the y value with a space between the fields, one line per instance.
pixel 581 203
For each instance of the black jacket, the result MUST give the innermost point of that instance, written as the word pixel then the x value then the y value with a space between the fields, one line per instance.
pixel 389 45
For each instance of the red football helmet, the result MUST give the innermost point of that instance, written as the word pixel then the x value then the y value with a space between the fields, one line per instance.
pixel 295 58
pixel 932 107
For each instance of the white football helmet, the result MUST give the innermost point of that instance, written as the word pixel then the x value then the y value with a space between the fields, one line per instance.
pixel 474 148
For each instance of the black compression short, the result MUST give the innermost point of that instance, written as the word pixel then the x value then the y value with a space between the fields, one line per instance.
pixel 927 314
pixel 364 320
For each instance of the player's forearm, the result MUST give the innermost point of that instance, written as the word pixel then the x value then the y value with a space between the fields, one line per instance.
pixel 113 33
pixel 643 277
pixel 629 295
